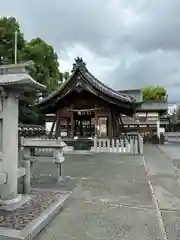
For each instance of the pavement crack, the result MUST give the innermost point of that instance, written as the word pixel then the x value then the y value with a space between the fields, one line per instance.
pixel 120 205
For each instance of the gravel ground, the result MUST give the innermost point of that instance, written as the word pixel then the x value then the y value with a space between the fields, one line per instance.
pixel 19 219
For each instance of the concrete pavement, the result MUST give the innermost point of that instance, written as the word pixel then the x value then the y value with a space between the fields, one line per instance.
pixel 164 179
pixel 113 198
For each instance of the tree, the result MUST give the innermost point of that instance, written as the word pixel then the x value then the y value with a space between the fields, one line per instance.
pixel 8 27
pixel 175 116
pixel 46 68
pixel 154 93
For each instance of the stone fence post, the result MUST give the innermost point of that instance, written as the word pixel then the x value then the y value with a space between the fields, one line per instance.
pixel 59 158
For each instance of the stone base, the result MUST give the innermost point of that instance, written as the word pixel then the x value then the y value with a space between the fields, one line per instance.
pixel 15 203
pixel 32 216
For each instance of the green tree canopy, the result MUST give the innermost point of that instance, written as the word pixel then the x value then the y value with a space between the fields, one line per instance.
pixel 46 67
pixel 154 93
pixel 8 27
pixel 175 116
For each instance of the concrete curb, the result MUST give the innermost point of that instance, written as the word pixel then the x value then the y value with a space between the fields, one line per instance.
pixel 35 227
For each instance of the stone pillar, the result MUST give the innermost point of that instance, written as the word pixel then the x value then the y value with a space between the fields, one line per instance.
pixel 59 159
pixel 10 89
pixel 27 165
pixel 10 146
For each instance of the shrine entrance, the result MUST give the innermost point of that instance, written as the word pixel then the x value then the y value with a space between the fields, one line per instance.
pixel 84 124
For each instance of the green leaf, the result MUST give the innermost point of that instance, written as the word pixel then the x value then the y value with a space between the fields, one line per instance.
pixel 154 93
pixel 45 70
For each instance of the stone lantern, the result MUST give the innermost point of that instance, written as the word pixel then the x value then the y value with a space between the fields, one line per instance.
pixel 14 80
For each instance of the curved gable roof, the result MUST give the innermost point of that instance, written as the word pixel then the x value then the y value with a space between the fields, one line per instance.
pixel 80 66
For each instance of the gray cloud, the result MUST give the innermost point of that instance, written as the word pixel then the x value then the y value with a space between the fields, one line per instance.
pixel 142 36
pixel 157 67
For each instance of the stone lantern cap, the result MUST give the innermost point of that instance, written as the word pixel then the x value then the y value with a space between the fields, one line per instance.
pixel 17 76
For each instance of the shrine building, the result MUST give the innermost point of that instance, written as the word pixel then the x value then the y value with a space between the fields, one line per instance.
pixel 85 107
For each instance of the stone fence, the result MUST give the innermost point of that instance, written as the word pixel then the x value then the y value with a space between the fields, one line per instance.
pixel 27 157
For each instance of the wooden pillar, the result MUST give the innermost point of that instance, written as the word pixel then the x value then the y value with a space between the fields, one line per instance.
pixel 72 125
pixel 59 130
pixel 118 125
pixel 115 124
pixel 96 120
pixel 68 127
pixel 110 124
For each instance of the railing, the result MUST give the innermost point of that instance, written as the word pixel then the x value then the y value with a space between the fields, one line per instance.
pixel 131 144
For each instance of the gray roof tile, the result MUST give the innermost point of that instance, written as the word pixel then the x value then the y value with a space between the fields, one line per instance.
pixel 21 79
pixel 80 66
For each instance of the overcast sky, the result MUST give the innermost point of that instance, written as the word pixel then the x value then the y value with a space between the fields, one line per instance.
pixel 126 43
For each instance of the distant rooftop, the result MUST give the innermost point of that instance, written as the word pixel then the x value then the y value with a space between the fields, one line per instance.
pixel 131 90
pixel 135 93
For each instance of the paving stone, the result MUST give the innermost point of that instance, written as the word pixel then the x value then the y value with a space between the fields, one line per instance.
pixel 111 197
pixel 124 193
pixel 100 166
pixel 171 221
pixel 92 221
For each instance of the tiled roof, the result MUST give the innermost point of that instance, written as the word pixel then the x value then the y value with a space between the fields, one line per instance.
pixel 17 74
pixel 21 79
pixel 80 66
pixel 105 89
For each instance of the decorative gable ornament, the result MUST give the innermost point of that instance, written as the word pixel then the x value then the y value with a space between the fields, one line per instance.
pixel 79 87
pixel 79 63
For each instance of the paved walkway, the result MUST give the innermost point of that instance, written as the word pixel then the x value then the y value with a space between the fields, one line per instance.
pixel 164 178
pixel 113 197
